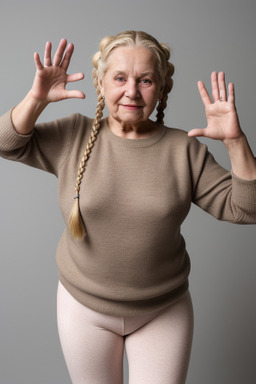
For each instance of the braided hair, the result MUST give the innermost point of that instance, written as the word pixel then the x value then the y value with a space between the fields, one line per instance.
pixel 100 61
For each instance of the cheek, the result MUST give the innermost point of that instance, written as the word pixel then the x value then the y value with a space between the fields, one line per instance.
pixel 151 97
pixel 112 96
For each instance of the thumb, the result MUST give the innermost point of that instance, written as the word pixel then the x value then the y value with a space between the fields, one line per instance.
pixel 196 132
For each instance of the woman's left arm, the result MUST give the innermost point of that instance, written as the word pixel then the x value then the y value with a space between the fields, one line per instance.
pixel 223 124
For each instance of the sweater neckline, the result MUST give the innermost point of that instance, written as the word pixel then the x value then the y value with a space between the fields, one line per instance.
pixel 135 143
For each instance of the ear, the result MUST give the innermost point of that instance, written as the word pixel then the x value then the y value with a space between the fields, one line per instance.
pixel 101 87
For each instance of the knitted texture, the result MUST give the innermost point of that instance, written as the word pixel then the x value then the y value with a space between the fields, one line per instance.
pixel 134 197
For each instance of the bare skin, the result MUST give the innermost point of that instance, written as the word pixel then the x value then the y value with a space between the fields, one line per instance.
pixel 142 91
pixel 131 87
pixel 49 86
pixel 223 124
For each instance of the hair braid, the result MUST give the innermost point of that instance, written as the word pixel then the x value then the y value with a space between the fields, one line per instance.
pixel 100 61
pixel 76 225
pixel 167 89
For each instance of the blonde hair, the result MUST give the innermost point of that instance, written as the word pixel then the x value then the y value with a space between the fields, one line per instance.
pixel 100 61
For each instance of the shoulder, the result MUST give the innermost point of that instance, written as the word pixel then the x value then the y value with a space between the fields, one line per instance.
pixel 63 130
pixel 69 125
pixel 80 119
pixel 183 146
pixel 75 120
pixel 179 136
pixel 176 133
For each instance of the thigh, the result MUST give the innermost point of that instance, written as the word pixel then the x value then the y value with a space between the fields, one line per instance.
pixel 93 355
pixel 159 352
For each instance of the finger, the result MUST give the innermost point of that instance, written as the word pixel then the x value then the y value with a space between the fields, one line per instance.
pixel 47 54
pixel 37 61
pixel 222 86
pixel 74 94
pixel 215 86
pixel 67 57
pixel 203 93
pixel 60 52
pixel 75 77
pixel 196 132
pixel 231 93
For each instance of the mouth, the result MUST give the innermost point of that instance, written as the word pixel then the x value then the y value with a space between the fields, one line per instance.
pixel 131 107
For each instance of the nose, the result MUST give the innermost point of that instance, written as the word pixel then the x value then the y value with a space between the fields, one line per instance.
pixel 132 89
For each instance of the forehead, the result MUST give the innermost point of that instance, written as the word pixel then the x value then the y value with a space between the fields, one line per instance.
pixel 138 59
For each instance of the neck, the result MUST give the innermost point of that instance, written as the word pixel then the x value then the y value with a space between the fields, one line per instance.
pixel 133 131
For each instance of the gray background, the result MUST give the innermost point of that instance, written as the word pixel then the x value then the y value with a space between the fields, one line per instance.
pixel 204 35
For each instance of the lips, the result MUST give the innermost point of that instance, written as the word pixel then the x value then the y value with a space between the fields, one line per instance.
pixel 131 107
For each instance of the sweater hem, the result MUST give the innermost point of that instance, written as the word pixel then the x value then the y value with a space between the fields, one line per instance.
pixel 126 307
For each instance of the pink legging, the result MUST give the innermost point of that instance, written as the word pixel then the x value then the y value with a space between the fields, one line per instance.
pixel 157 344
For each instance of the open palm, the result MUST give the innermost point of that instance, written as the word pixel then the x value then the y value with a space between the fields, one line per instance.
pixel 51 77
pixel 222 120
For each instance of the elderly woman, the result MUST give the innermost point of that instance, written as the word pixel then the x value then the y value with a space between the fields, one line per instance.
pixel 122 262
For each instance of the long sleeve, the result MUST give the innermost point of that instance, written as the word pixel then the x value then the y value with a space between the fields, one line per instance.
pixel 220 192
pixel 46 148
pixel 134 196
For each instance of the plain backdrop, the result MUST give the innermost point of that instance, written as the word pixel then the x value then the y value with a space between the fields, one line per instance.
pixel 204 35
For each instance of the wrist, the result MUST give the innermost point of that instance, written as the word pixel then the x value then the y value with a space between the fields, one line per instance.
pixel 26 113
pixel 233 144
pixel 243 162
pixel 35 104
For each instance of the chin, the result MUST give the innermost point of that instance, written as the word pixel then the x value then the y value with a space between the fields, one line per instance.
pixel 133 119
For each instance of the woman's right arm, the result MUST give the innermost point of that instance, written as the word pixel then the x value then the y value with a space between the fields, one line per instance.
pixel 49 86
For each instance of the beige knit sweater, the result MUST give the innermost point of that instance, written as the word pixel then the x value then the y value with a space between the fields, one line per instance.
pixel 135 194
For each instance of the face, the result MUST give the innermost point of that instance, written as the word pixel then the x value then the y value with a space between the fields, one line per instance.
pixel 131 85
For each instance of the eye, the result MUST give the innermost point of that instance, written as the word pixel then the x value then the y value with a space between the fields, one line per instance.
pixel 119 79
pixel 146 81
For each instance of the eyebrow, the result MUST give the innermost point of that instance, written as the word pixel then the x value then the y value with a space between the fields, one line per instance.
pixel 143 74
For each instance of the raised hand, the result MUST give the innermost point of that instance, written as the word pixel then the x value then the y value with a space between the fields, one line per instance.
pixel 49 86
pixel 222 120
pixel 51 77
pixel 223 124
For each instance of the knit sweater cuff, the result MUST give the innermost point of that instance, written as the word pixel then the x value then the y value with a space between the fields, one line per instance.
pixel 244 195
pixel 10 139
